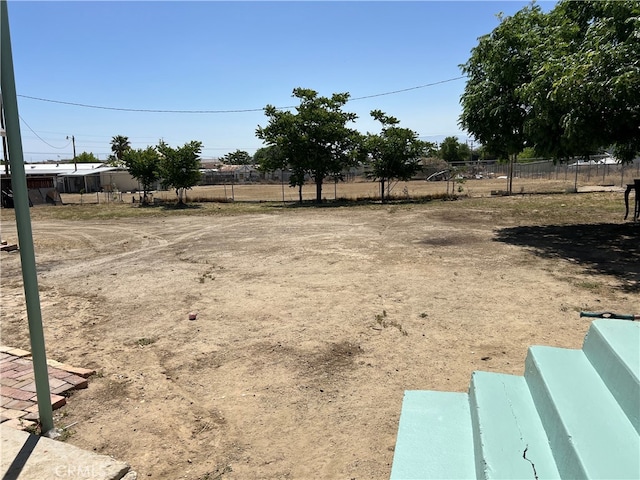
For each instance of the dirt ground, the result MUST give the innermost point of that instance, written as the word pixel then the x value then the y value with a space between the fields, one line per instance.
pixel 311 323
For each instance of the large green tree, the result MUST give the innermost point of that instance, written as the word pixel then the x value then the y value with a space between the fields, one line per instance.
pixel 499 66
pixel 566 82
pixel 394 153
pixel 180 167
pixel 315 140
pixel 144 166
pixel 585 92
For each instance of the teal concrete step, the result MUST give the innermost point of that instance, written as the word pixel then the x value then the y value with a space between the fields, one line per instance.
pixel 589 433
pixel 574 414
pixel 613 348
pixel 434 437
pixel 510 441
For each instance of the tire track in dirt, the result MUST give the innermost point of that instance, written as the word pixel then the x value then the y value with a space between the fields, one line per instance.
pixel 150 245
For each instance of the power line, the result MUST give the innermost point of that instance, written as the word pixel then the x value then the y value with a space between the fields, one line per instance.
pixel 41 139
pixel 86 135
pixel 144 110
pixel 410 88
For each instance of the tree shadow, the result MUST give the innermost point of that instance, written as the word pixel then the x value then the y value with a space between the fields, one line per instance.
pixel 180 206
pixel 601 248
pixel 358 202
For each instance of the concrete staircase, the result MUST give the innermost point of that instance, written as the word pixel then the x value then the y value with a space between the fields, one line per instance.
pixel 574 414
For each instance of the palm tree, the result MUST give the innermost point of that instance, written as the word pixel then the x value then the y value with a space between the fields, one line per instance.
pixel 119 145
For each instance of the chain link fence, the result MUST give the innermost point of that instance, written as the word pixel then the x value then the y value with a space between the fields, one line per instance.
pixel 598 171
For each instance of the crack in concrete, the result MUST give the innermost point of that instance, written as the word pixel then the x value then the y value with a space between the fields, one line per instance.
pixel 513 413
pixel 524 455
pixel 515 417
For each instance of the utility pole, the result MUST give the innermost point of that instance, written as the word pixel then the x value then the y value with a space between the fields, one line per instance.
pixel 4 140
pixel 23 224
pixel 73 142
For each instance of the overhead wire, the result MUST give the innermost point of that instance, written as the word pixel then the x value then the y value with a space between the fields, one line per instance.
pixel 144 110
pixel 39 137
pixel 141 110
pixel 408 89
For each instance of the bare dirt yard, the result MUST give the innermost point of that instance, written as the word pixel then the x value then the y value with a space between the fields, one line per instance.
pixel 311 321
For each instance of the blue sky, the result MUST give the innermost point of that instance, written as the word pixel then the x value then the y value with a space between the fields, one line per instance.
pixel 224 56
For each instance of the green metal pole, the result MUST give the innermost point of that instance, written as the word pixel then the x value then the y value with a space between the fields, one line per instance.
pixel 23 222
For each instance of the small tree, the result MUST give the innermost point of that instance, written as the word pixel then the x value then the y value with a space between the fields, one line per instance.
pixel 451 150
pixel 180 167
pixel 119 145
pixel 395 153
pixel 239 157
pixel 144 166
pixel 86 157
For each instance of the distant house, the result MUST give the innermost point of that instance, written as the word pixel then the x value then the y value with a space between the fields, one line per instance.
pixel 603 159
pixel 216 173
pixel 46 180
pixel 100 179
pixel 243 173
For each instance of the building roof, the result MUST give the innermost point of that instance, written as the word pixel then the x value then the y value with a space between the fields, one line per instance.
pixel 97 170
pixel 64 169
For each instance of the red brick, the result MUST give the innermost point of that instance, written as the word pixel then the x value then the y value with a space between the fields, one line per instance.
pixel 19 367
pixel 5 400
pixel 18 352
pixel 55 363
pixel 8 382
pixel 7 391
pixel 57 401
pixel 21 383
pixel 60 390
pixel 28 377
pixel 19 404
pixel 8 414
pixel 77 382
pixel 83 372
pixel 22 367
pixel 19 424
pixel 17 372
pixel 56 382
pixel 31 416
pixel 5 365
pixel 29 387
pixel 24 374
pixel 15 393
pixel 57 373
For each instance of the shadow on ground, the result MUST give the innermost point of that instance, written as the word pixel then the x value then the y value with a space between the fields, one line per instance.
pixel 602 248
